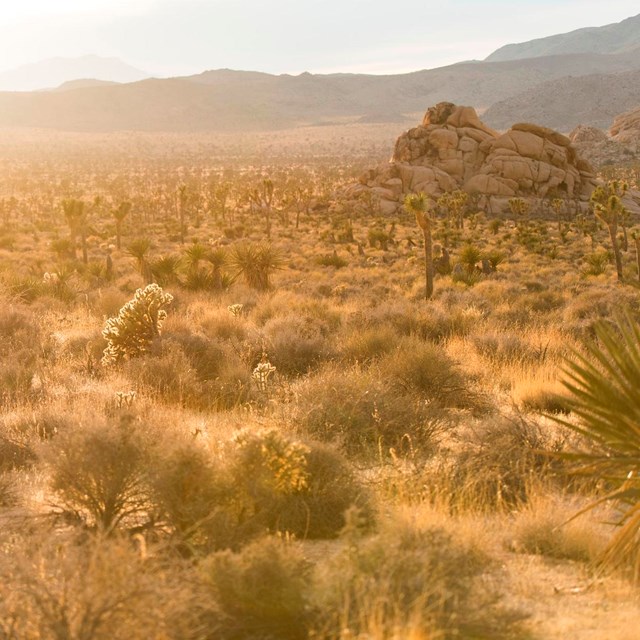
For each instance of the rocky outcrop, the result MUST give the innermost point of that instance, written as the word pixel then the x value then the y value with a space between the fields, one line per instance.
pixel 595 146
pixel 453 149
pixel 626 129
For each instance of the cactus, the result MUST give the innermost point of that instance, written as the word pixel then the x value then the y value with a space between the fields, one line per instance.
pixel 132 331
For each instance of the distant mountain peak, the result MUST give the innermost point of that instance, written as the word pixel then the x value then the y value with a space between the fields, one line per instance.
pixel 53 72
pixel 618 37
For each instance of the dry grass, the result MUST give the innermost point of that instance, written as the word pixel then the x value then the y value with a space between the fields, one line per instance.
pixel 424 416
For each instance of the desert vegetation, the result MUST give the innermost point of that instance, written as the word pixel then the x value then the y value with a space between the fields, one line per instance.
pixel 228 410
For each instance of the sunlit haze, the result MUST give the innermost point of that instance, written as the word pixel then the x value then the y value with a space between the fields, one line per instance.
pixel 171 37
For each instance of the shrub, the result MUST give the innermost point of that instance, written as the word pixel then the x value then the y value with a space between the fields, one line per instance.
pixel 258 593
pixel 138 324
pixel 405 582
pixel 332 260
pixel 196 498
pixel 425 369
pixel 98 472
pixel 364 415
pixel 303 490
pixel 368 344
pixel 60 585
pixel 295 344
pixel 501 462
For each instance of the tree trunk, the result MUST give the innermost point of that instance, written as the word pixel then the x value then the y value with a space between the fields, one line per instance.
pixel 613 232
pixel 637 241
pixel 428 257
pixel 83 240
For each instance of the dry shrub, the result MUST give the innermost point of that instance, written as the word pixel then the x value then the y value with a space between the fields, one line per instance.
pixel 424 369
pixel 363 414
pixel 407 582
pixel 295 344
pixel 57 586
pixel 498 464
pixel 20 347
pixel 98 472
pixel 166 373
pixel 259 593
pixel 503 348
pixel 195 497
pixel 545 527
pixel 368 344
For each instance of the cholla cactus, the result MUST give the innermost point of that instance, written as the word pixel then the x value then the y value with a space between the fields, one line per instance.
pixel 275 462
pixel 235 310
pixel 131 332
pixel 262 372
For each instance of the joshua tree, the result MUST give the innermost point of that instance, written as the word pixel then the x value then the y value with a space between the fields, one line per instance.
pixel 182 206
pixel 455 204
pixel 558 206
pixel 607 205
pixel 76 216
pixel 119 215
pixel 263 199
pixel 636 239
pixel 418 204
pixel 255 262
pixel 520 210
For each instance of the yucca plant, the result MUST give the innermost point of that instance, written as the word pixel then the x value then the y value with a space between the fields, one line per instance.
pixel 604 385
pixel 255 262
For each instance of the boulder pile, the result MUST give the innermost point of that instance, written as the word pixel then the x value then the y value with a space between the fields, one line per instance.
pixel 626 129
pixel 452 149
pixel 599 149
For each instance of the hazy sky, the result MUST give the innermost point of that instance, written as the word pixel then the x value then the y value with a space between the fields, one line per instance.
pixel 175 37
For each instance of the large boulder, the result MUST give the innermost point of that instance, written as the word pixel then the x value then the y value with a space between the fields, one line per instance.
pixel 453 149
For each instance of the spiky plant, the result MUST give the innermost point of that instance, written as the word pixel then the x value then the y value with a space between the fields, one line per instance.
pixel 165 269
pixel 604 383
pixel 138 250
pixel 255 262
pixel 137 325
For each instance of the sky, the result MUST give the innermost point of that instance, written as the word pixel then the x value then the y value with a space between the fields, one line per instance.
pixel 181 37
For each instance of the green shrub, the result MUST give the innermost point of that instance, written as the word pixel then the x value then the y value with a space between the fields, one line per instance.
pixel 292 487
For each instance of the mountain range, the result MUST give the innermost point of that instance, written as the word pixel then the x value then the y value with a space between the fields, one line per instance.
pixel 583 77
pixel 51 73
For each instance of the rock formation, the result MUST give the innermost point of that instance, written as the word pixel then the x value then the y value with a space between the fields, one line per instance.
pixel 452 149
pixel 595 146
pixel 626 129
